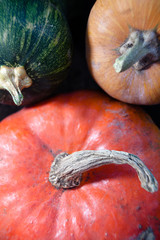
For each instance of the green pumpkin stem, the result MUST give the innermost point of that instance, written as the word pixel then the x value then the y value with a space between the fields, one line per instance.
pixel 140 50
pixel 14 80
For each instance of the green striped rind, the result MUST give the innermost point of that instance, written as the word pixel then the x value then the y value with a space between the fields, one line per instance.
pixel 35 34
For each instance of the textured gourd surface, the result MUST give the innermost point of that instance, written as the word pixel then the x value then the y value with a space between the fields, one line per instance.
pixel 109 203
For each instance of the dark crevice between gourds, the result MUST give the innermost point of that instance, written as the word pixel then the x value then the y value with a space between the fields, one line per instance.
pixel 140 50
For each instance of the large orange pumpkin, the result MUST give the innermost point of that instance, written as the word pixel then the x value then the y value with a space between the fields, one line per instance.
pixel 122 49
pixel 109 203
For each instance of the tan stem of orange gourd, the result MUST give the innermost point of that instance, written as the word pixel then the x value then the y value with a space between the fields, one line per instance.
pixel 14 80
pixel 140 50
pixel 66 170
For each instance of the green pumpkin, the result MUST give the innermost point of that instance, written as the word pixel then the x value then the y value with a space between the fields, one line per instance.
pixel 35 49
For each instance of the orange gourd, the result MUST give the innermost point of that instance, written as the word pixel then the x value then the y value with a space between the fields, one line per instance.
pixel 122 49
pixel 109 203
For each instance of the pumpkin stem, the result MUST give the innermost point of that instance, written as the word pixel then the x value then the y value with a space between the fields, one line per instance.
pixel 140 50
pixel 66 170
pixel 147 234
pixel 14 80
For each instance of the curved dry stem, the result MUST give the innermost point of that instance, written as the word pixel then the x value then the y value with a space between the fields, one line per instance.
pixel 66 171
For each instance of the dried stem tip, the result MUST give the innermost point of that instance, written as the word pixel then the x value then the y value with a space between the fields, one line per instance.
pixel 14 80
pixel 66 170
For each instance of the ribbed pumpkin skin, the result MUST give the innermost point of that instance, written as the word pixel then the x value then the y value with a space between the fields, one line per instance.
pixel 35 34
pixel 108 28
pixel 109 204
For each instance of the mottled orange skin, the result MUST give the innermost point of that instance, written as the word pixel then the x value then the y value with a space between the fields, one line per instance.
pixel 108 28
pixel 109 204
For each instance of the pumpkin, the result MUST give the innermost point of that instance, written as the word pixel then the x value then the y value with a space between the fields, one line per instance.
pixel 122 49
pixel 109 203
pixel 36 50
